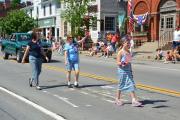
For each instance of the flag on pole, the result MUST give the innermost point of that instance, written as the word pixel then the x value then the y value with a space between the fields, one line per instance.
pixel 131 17
pixel 130 6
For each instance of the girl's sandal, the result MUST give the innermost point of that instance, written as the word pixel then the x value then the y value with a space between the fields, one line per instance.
pixel 136 104
pixel 119 102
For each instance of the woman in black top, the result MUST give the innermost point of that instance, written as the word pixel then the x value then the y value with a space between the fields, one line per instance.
pixel 35 52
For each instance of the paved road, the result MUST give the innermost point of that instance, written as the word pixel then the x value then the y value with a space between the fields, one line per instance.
pixel 93 100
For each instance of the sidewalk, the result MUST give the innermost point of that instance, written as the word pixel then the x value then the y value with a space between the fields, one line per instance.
pixel 137 56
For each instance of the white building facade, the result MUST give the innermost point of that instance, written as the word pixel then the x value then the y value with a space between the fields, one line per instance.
pixel 47 14
pixel 106 12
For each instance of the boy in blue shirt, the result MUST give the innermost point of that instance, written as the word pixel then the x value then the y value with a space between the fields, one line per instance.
pixel 72 59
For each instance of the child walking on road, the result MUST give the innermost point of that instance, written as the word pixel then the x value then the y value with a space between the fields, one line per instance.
pixel 126 82
pixel 72 59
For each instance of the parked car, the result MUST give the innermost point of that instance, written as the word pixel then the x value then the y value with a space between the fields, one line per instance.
pixel 17 43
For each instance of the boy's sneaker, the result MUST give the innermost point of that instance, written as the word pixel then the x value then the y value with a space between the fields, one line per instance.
pixel 76 84
pixel 69 85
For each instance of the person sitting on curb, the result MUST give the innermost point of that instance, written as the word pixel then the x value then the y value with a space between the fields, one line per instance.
pixel 169 57
pixel 109 50
pixel 94 50
pixel 159 54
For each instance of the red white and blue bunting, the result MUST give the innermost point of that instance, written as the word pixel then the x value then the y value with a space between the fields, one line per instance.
pixel 141 19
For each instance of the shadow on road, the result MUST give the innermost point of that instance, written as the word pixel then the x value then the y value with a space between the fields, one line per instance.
pixel 80 86
pixel 27 61
pixel 55 61
pixel 93 85
pixel 52 86
pixel 145 102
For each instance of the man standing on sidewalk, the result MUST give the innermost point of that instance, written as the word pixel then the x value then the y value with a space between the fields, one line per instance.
pixel 176 38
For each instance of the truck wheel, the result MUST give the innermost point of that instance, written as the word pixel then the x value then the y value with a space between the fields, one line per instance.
pixel 19 57
pixel 49 55
pixel 5 55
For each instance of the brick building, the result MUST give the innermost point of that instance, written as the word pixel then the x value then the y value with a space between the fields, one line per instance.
pixel 4 6
pixel 163 18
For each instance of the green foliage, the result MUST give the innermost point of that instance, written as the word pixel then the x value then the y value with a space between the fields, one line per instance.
pixel 17 21
pixel 74 14
pixel 15 3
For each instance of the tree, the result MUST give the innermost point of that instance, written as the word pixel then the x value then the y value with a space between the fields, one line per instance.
pixel 17 21
pixel 74 14
pixel 15 3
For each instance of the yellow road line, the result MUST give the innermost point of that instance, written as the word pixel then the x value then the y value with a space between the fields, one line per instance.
pixel 160 90
pixel 140 86
pixel 97 77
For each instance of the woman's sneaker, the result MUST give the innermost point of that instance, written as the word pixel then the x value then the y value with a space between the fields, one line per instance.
pixel 38 88
pixel 30 82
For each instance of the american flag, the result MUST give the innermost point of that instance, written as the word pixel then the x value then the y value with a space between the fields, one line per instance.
pixel 131 17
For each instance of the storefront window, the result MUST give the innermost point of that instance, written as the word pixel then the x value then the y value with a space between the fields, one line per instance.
pixel 141 28
pixel 57 32
pixel 169 22
pixel 137 28
pixel 145 27
pixel 50 9
pixel 58 5
pixel 37 11
pixel 44 10
pixel 102 25
pixel 162 23
pixel 109 23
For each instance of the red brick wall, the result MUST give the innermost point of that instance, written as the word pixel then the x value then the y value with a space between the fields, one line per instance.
pixel 152 6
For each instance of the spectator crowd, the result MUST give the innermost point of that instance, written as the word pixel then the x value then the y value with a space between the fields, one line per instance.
pixel 172 55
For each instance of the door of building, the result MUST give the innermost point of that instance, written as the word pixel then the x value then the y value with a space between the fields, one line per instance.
pixel 167 23
pixel 167 20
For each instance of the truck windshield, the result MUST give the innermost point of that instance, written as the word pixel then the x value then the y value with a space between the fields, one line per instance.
pixel 25 37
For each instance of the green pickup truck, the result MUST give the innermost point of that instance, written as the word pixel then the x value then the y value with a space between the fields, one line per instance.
pixel 17 43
